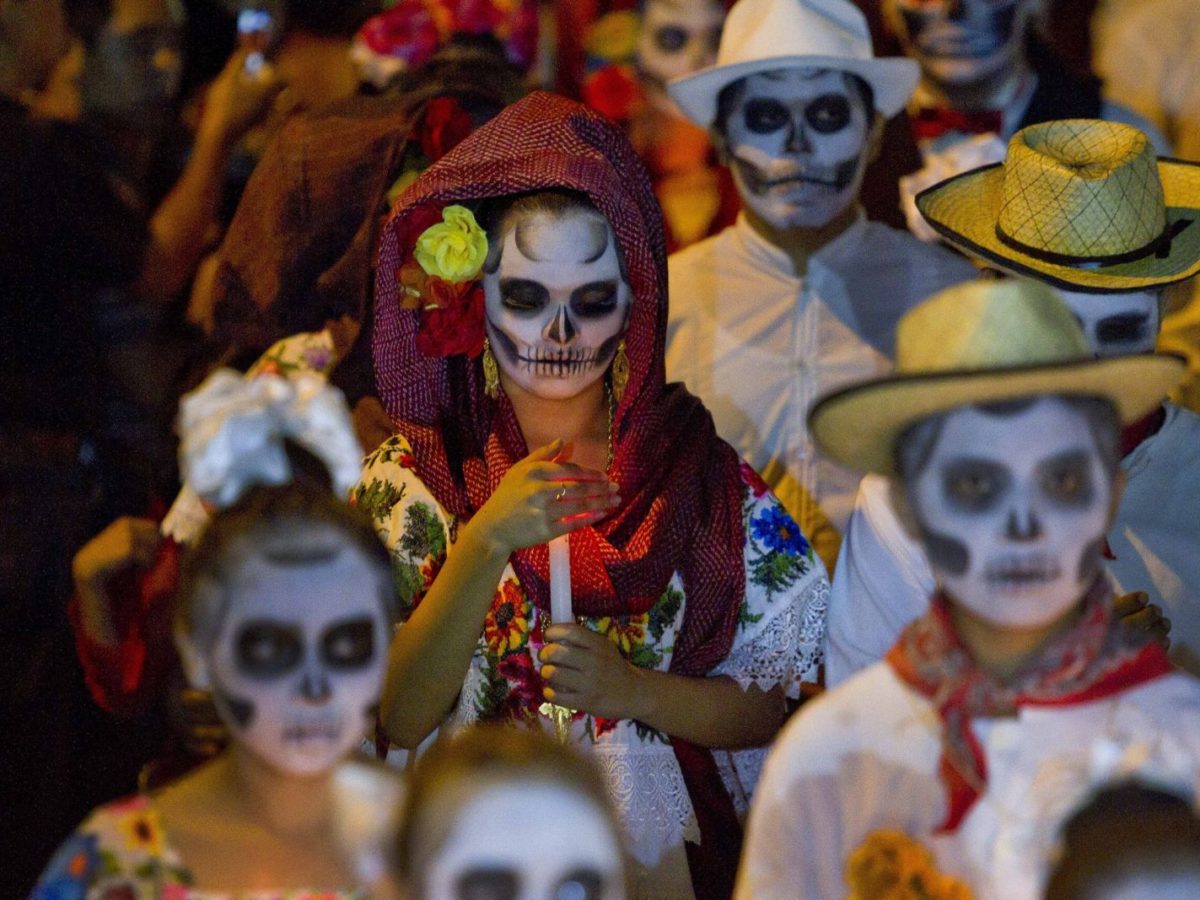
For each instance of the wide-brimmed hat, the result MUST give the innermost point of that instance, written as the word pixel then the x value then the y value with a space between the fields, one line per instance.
pixel 1079 203
pixel 764 35
pixel 982 342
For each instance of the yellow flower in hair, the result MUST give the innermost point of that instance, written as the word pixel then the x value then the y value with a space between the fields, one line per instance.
pixel 453 249
pixel 614 36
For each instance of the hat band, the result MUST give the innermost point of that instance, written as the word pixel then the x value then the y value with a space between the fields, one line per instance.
pixel 1159 247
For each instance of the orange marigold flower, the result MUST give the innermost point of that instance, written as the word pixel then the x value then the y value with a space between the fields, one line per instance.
pixel 626 635
pixel 506 627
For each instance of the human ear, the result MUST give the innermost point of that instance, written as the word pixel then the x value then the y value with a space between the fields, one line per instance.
pixel 194 661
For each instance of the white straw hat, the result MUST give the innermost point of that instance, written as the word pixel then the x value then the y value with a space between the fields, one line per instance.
pixel 764 35
pixel 982 342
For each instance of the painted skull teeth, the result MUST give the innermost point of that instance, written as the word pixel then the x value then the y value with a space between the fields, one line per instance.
pixel 558 363
pixel 302 732
pixel 1018 572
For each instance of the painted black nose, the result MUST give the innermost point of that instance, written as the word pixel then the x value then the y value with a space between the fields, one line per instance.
pixel 561 329
pixel 1023 525
pixel 314 687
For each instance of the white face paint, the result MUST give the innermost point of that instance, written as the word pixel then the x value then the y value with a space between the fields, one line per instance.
pixel 1149 885
pixel 567 849
pixel 678 37
pixel 962 42
pixel 1116 324
pixel 557 304
pixel 797 141
pixel 298 662
pixel 1013 509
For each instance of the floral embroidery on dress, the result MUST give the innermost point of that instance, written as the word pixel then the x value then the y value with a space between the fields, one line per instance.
pixel 778 554
pixel 891 865
pixel 310 351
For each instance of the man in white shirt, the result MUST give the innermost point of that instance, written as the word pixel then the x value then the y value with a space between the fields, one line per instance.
pixel 883 579
pixel 802 294
pixel 999 711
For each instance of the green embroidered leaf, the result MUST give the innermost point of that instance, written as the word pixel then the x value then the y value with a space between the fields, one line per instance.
pixel 664 612
pixel 377 498
pixel 493 692
pixel 424 535
pixel 646 733
pixel 109 864
pixel 745 617
pixel 409 582
pixel 776 572
pixel 645 656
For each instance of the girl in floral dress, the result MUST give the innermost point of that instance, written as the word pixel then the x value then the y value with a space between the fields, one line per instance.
pixel 284 611
pixel 698 605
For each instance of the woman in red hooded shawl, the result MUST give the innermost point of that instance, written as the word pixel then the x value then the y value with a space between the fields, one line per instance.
pixel 520 320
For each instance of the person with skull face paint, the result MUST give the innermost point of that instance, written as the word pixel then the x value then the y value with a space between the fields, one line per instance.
pixel 979 731
pixel 883 580
pixel 455 839
pixel 985 74
pixel 802 293
pixel 672 540
pixel 284 611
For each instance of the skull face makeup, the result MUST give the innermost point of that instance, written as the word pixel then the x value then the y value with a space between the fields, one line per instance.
pixel 1013 507
pixel 577 856
pixel 962 42
pixel 297 664
pixel 798 143
pixel 678 37
pixel 1116 324
pixel 557 302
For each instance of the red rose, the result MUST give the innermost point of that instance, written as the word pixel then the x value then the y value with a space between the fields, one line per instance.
pixel 455 323
pixel 412 225
pixel 446 124
pixel 612 91
pixel 524 685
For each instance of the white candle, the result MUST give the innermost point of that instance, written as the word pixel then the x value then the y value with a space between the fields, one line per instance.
pixel 560 581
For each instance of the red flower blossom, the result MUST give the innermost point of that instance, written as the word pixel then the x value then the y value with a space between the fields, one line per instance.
pixel 612 91
pixel 446 124
pixel 753 480
pixel 407 32
pixel 600 725
pixel 413 224
pixel 453 323
pixel 524 686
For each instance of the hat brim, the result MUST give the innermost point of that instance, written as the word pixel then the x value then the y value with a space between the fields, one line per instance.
pixel 858 426
pixel 892 81
pixel 964 210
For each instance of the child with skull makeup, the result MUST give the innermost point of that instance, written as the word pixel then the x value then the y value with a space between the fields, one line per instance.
pixel 802 293
pixel 455 834
pixel 981 728
pixel 696 601
pixel 283 613
pixel 1111 270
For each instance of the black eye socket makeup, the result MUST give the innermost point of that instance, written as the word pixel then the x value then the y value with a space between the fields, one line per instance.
pixel 828 114
pixel 594 301
pixel 974 485
pixel 1067 479
pixel 764 115
pixel 349 645
pixel 670 38
pixel 267 649
pixel 488 884
pixel 1122 329
pixel 522 296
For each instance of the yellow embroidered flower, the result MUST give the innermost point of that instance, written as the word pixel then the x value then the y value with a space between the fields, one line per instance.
pixel 453 249
pixel 615 36
pixel 506 626
pixel 142 832
pixel 890 865
pixel 626 635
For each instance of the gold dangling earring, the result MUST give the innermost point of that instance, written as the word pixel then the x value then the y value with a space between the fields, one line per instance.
pixel 620 371
pixel 491 372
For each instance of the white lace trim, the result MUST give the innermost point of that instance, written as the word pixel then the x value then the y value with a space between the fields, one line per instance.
pixel 740 771
pixel 787 649
pixel 650 796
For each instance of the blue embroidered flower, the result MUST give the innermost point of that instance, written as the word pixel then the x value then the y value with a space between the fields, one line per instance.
pixel 70 870
pixel 775 528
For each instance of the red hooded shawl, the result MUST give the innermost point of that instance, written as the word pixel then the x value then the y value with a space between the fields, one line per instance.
pixel 680 483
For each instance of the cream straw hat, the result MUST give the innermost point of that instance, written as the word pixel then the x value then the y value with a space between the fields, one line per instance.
pixel 982 342
pixel 764 35
pixel 1079 203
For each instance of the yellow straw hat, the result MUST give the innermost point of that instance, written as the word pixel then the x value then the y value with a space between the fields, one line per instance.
pixel 1079 203
pixel 982 342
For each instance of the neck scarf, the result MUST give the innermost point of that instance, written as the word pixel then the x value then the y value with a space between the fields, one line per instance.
pixel 1096 657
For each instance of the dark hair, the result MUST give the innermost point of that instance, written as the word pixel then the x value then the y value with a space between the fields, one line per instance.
pixel 481 756
pixel 732 94
pixel 1124 829
pixel 471 68
pixel 270 522
pixel 915 444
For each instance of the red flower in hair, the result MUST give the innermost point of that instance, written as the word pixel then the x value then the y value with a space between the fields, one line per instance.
pixel 612 91
pixel 477 16
pixel 446 124
pixel 407 32
pixel 413 224
pixel 454 325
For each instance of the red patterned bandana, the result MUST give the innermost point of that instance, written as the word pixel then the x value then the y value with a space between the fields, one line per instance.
pixel 678 480
pixel 1097 657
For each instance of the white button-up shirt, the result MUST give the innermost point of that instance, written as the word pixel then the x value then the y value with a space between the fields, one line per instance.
pixel 759 344
pixel 884 581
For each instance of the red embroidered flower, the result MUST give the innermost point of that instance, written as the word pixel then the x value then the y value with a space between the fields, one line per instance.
pixel 753 480
pixel 612 91
pixel 446 124
pixel 506 626
pixel 600 725
pixel 524 686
